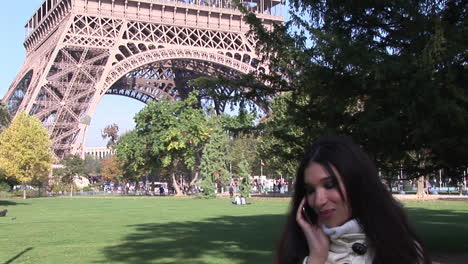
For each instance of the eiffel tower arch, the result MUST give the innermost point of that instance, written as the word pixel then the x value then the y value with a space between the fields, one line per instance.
pixel 80 50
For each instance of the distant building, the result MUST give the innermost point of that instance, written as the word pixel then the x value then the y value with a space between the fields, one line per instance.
pixel 99 152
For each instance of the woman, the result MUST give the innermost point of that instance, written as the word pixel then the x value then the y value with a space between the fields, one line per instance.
pixel 352 218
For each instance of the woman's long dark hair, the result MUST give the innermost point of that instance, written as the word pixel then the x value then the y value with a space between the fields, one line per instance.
pixel 384 222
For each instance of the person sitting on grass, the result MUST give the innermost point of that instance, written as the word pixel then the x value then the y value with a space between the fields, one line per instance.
pixel 242 200
pixel 237 200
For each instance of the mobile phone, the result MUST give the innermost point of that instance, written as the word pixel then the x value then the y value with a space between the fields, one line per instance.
pixel 309 214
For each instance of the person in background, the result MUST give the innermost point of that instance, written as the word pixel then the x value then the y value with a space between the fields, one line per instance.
pixel 237 200
pixel 242 200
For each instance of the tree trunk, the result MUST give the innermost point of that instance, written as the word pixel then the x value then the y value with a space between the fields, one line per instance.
pixel 389 184
pixel 421 192
pixel 197 167
pixel 124 187
pixel 176 185
pixel 195 178
pixel 71 190
pixel 24 190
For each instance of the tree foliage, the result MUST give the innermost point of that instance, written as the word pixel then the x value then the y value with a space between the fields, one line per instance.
pixel 133 153
pixel 73 166
pixel 209 187
pixel 5 117
pixel 176 131
pixel 111 169
pixel 25 152
pixel 244 179
pixel 111 132
pixel 243 140
pixel 282 140
pixel 245 92
pixel 169 136
pixel 392 74
pixel 92 166
pixel 244 148
pixel 240 124
pixel 213 167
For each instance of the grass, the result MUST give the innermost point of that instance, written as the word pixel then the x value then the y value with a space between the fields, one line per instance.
pixel 177 230
pixel 441 224
pixel 139 230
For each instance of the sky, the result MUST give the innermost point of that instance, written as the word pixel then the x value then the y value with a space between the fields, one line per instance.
pixel 112 108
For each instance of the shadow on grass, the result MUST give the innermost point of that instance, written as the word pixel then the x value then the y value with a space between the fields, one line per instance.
pixel 17 256
pixel 441 230
pixel 10 203
pixel 236 239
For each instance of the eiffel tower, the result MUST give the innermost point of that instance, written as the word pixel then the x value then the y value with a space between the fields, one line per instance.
pixel 80 50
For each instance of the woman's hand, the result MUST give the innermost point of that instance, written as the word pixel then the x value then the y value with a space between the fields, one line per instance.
pixel 317 240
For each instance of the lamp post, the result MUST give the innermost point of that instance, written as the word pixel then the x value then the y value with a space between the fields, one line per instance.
pixel 440 179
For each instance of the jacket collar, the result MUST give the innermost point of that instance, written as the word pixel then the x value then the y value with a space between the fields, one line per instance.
pixel 350 227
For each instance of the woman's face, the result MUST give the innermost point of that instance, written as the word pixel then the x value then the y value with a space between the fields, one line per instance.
pixel 324 197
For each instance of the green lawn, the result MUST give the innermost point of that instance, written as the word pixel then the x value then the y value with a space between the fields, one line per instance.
pixel 176 230
pixel 442 225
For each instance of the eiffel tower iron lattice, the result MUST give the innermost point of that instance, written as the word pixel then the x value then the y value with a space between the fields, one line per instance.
pixel 80 50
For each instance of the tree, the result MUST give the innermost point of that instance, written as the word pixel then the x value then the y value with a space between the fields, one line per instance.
pixel 238 125
pixel 209 187
pixel 244 179
pixel 8 180
pixel 5 117
pixel 56 185
pixel 111 132
pixel 391 74
pixel 245 92
pixel 92 166
pixel 213 167
pixel 111 170
pixel 243 140
pixel 25 152
pixel 133 153
pixel 173 135
pixel 244 148
pixel 73 166
pixel 282 140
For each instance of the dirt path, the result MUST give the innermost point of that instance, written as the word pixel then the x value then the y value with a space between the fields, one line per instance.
pixel 432 197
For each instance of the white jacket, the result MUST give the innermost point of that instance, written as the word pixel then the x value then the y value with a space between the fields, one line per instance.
pixel 348 245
